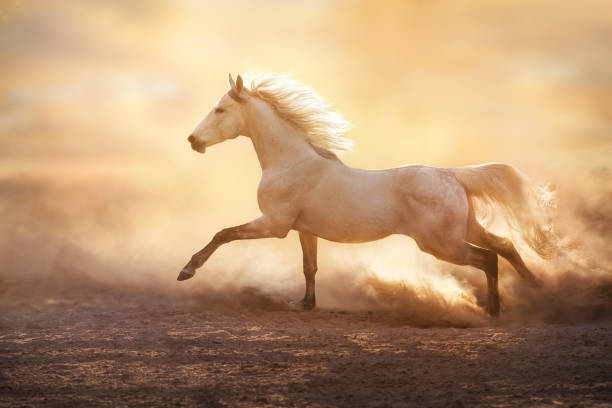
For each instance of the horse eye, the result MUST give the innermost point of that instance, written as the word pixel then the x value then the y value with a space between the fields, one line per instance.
pixel 219 110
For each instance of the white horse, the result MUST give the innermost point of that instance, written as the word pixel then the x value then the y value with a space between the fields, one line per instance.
pixel 305 187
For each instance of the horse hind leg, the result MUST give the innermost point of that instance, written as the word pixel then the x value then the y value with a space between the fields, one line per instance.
pixel 486 261
pixel 483 259
pixel 477 235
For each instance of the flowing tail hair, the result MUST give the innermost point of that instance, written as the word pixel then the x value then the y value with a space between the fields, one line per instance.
pixel 529 209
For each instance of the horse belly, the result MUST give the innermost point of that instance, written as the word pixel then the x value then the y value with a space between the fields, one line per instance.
pixel 358 219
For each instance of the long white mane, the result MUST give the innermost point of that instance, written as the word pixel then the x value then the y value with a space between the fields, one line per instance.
pixel 304 108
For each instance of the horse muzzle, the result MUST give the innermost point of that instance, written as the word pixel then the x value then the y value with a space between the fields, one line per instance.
pixel 199 147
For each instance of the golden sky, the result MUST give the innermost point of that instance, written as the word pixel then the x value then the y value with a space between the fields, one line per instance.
pixel 98 97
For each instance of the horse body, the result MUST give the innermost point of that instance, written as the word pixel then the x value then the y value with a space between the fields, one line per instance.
pixel 305 187
pixel 354 205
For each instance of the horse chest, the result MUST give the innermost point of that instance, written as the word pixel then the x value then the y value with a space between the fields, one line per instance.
pixel 276 192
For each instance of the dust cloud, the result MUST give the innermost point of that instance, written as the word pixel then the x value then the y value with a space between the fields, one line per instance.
pixel 99 190
pixel 58 238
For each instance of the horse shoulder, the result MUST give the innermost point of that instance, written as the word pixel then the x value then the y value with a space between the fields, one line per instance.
pixel 284 190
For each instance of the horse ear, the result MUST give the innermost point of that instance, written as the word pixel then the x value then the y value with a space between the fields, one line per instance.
pixel 236 88
pixel 239 84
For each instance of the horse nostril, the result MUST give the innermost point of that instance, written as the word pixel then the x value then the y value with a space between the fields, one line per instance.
pixel 191 139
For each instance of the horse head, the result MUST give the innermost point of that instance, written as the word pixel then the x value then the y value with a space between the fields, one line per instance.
pixel 226 120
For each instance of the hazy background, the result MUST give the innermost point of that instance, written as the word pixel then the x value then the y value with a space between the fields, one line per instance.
pixel 99 186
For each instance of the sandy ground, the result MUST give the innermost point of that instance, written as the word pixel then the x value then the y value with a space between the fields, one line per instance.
pixel 109 347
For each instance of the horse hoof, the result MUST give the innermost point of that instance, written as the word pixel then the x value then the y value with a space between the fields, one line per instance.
pixel 303 305
pixel 493 311
pixel 185 274
pixel 536 283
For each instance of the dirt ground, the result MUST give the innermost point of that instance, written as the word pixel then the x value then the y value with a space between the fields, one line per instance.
pixel 110 347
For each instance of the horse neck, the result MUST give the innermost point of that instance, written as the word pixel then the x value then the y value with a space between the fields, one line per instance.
pixel 277 143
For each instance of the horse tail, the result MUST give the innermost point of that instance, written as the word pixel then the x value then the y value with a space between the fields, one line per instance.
pixel 528 208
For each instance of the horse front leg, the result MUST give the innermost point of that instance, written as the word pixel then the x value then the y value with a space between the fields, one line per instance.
pixel 309 256
pixel 262 227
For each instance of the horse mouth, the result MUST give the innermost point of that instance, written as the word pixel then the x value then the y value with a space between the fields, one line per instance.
pixel 198 147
